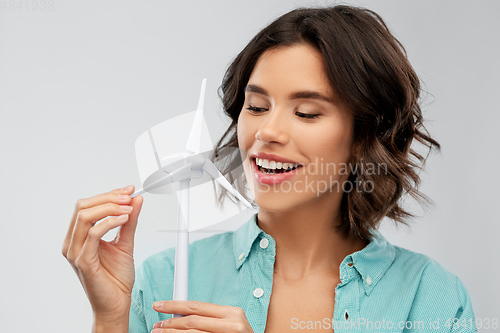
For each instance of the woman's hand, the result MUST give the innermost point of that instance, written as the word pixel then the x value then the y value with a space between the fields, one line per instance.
pixel 201 317
pixel 105 269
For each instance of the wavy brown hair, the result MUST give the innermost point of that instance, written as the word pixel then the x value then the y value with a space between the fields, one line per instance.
pixel 370 73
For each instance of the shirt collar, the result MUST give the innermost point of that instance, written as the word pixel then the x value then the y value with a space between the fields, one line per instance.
pixel 372 262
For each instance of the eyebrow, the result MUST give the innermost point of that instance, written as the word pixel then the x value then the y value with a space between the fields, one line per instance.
pixel 296 95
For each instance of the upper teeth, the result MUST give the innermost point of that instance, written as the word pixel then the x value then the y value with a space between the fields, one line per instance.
pixel 269 164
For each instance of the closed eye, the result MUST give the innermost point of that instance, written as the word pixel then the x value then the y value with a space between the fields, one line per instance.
pixel 307 115
pixel 299 114
pixel 256 109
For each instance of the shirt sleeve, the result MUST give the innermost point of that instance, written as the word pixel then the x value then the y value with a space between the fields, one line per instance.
pixel 137 321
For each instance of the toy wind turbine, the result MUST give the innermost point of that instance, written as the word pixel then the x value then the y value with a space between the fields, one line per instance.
pixel 161 169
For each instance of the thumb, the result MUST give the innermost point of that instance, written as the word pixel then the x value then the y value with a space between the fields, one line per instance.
pixel 127 231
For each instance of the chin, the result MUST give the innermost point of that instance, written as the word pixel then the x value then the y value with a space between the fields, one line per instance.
pixel 279 202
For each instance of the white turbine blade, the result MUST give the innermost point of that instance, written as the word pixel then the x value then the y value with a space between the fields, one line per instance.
pixel 169 162
pixel 201 100
pixel 153 145
pixel 210 168
pixel 223 181
pixel 194 140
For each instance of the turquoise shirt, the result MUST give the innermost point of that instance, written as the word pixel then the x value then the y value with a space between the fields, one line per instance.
pixel 384 288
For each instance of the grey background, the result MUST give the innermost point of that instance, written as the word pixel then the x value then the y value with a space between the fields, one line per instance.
pixel 79 83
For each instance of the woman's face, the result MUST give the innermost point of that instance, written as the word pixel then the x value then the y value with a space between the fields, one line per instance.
pixel 291 118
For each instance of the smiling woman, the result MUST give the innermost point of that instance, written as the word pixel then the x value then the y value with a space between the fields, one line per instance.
pixel 325 105
pixel 363 71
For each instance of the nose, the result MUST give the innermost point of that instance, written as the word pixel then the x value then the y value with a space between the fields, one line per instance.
pixel 273 128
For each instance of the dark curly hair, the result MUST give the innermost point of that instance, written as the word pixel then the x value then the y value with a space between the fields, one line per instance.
pixel 370 73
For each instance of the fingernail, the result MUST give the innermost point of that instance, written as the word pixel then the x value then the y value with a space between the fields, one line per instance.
pixel 127 188
pixel 127 208
pixel 157 331
pixel 157 304
pixel 124 197
pixel 159 324
pixel 123 217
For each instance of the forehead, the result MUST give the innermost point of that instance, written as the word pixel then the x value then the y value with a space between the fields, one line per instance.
pixel 299 67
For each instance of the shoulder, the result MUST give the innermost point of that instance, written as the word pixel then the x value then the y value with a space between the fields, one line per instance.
pixel 434 293
pixel 400 266
pixel 392 266
pixel 427 273
pixel 408 286
pixel 421 266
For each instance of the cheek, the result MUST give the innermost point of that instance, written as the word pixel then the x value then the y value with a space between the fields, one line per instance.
pixel 332 142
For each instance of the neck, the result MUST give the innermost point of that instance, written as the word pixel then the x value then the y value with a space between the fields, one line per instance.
pixel 307 240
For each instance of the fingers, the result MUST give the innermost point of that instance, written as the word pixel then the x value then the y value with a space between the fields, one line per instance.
pixel 192 307
pixel 199 324
pixel 192 323
pixel 228 319
pixel 87 219
pixel 91 245
pixel 127 232
pixel 88 211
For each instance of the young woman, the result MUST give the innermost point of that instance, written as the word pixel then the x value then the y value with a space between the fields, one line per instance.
pixel 325 105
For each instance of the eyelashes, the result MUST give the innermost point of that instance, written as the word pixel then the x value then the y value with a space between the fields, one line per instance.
pixel 254 109
pixel 307 115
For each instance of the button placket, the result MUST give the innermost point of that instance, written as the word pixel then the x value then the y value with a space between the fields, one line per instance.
pixel 259 292
pixel 346 273
pixel 347 300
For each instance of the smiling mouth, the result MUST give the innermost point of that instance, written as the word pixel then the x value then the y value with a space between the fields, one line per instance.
pixel 271 167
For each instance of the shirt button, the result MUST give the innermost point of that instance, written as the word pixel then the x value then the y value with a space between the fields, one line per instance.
pixel 264 243
pixel 241 256
pixel 369 281
pixel 258 292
